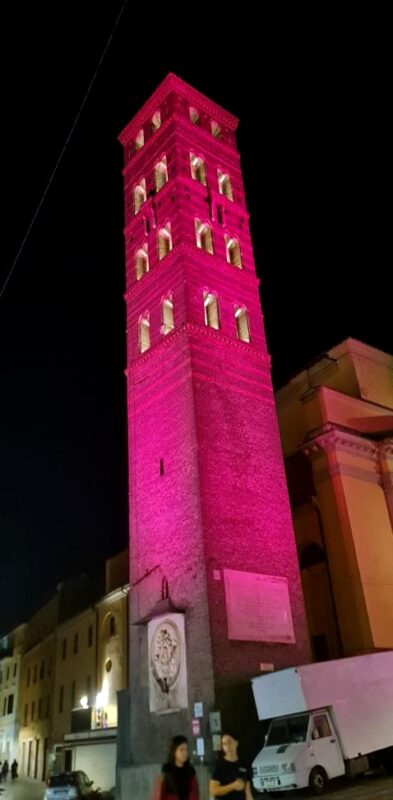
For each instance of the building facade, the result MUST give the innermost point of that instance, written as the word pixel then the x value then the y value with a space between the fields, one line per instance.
pixel 336 421
pixel 11 649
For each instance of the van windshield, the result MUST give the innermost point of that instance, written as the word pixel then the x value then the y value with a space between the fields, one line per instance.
pixel 289 730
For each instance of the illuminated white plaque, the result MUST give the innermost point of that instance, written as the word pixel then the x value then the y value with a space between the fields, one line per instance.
pixel 167 664
pixel 258 607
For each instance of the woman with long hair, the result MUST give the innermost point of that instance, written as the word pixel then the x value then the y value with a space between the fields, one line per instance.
pixel 178 780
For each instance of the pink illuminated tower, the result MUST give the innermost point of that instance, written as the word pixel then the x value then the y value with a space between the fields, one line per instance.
pixel 211 539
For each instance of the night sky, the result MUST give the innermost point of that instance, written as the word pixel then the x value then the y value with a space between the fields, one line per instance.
pixel 311 85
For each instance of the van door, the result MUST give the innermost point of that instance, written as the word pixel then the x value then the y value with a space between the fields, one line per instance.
pixel 325 745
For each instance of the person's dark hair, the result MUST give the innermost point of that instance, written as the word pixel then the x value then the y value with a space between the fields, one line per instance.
pixel 231 733
pixel 175 743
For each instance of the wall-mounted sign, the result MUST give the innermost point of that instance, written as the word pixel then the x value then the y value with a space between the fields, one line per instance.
pixel 196 727
pixel 258 607
pixel 215 721
pixel 198 710
pixel 200 747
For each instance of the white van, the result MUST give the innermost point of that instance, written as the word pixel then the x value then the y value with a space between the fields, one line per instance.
pixel 327 719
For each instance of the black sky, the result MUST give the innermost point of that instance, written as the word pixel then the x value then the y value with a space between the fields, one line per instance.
pixel 312 87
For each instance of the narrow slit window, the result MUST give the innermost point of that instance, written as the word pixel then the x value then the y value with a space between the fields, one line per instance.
pixel 160 174
pixel 194 116
pixel 203 234
pixel 139 195
pixel 164 241
pixel 168 323
pixel 198 171
pixel 141 262
pixel 139 140
pixel 224 184
pixel 144 333
pixel 210 303
pixel 233 252
pixel 156 121
pixel 242 324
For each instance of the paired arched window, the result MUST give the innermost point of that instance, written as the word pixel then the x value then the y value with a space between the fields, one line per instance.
pixel 168 322
pixel 156 121
pixel 164 240
pixel 203 235
pixel 139 195
pixel 139 140
pixel 141 262
pixel 224 184
pixel 233 251
pixel 198 171
pixel 242 324
pixel 160 174
pixel 144 333
pixel 194 115
pixel 210 303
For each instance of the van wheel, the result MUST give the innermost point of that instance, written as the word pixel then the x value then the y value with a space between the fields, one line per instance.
pixel 318 780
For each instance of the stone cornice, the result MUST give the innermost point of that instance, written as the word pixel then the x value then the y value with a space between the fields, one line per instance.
pixel 333 437
pixel 202 331
pixel 174 84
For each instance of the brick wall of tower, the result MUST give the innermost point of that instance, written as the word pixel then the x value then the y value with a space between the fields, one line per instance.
pixel 165 531
pixel 207 482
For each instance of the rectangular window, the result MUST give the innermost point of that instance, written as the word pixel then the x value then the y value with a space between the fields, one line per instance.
pixel 28 677
pixel 26 711
pixel 321 727
pixel 8 673
pixel 61 699
pixel 90 636
pixel 75 644
pixel 32 710
pixel 64 649
pixel 5 707
pixel 40 708
pixel 35 674
pixel 10 704
pixel 47 713
pixel 42 670
pixel 73 694
pixel 15 670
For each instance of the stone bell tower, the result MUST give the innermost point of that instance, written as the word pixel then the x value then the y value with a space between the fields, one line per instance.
pixel 215 589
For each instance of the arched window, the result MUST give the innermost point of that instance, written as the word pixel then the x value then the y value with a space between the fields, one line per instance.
pixel 210 303
pixel 144 333
pixel 233 252
pixel 194 116
pixel 164 240
pixel 168 322
pixel 156 121
pixel 242 325
pixel 141 262
pixel 198 171
pixel 311 555
pixel 160 174
pixel 140 140
pixel 139 195
pixel 203 234
pixel 216 130
pixel 112 625
pixel 224 184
